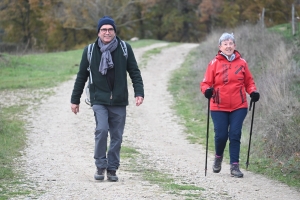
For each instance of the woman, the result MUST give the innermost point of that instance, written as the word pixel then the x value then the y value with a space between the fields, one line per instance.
pixel 226 81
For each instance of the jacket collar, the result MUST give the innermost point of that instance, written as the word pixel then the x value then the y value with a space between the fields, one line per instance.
pixel 231 58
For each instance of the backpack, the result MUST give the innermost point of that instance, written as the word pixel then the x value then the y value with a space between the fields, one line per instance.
pixel 89 58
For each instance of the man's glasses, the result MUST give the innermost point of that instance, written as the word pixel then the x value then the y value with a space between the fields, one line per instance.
pixel 104 30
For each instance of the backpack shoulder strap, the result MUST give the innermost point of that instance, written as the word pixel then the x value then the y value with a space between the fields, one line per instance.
pixel 89 58
pixel 124 48
pixel 89 52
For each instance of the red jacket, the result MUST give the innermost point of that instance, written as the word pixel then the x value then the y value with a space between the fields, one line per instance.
pixel 230 81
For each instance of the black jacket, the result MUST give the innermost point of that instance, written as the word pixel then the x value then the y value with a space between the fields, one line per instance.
pixel 109 89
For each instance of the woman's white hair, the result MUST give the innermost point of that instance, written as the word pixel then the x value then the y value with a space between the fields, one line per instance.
pixel 226 36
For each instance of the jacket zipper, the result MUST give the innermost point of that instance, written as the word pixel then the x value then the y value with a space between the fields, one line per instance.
pixel 218 97
pixel 241 93
pixel 94 92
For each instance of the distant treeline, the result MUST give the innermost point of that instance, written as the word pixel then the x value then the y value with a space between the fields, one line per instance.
pixel 52 25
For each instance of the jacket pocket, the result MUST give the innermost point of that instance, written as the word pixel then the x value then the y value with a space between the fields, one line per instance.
pixel 216 96
pixel 242 94
pixel 240 74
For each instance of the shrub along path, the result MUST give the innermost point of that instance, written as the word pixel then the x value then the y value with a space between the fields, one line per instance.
pixel 59 155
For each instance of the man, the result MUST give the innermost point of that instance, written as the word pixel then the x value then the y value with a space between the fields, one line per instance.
pixel 108 94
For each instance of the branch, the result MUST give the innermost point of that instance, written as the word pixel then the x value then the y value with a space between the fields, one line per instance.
pixel 128 22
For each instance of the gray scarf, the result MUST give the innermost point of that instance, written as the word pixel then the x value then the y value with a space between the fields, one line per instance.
pixel 231 58
pixel 106 59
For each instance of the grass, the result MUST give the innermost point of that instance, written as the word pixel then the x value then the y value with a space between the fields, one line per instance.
pixel 152 52
pixel 169 184
pixel 143 43
pixel 287 173
pixel 128 152
pixel 38 70
pixel 286 31
pixel 130 158
pixel 12 137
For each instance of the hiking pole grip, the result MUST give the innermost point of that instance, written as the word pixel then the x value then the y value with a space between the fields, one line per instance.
pixel 247 163
pixel 207 131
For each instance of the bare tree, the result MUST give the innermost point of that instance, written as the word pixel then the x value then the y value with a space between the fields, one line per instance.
pixel 84 14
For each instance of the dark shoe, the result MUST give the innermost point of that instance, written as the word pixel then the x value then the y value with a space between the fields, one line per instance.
pixel 99 175
pixel 217 164
pixel 235 171
pixel 111 175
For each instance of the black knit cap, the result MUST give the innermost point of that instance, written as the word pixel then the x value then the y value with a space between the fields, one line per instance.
pixel 106 20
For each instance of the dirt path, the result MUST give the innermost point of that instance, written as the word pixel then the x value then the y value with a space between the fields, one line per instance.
pixel 59 155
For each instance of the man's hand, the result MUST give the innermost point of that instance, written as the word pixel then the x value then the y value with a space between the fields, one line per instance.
pixel 75 108
pixel 139 100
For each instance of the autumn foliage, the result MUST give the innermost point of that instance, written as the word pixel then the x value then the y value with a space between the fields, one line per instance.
pixel 62 24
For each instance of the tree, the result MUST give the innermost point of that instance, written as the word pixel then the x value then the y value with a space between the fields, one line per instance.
pixel 171 20
pixel 60 24
pixel 63 24
pixel 20 20
pixel 209 10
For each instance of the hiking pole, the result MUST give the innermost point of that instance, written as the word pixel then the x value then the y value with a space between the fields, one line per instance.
pixel 208 105
pixel 247 163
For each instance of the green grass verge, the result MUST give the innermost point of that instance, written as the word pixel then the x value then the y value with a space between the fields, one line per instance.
pixel 38 70
pixel 143 43
pixel 12 141
pixel 286 31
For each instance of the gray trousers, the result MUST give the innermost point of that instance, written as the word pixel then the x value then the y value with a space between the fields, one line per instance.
pixel 108 119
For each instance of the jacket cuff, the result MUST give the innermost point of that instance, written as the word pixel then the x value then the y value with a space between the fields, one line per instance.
pixel 139 95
